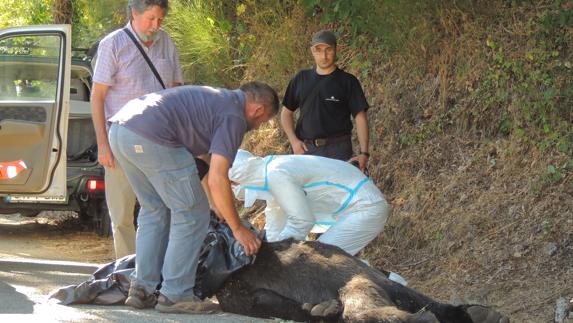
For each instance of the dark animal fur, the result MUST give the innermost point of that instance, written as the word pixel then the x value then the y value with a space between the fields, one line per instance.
pixel 310 281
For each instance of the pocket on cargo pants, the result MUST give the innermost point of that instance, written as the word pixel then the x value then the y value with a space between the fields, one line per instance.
pixel 182 189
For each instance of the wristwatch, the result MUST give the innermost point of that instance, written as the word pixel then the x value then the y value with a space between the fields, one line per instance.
pixel 365 153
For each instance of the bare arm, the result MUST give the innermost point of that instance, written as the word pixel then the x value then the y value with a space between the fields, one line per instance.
pixel 287 122
pixel 205 183
pixel 222 196
pixel 99 92
pixel 362 131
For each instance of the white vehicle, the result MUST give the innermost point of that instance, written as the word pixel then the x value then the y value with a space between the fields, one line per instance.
pixel 48 152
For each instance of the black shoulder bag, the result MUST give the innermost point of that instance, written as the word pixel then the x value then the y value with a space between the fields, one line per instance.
pixel 130 34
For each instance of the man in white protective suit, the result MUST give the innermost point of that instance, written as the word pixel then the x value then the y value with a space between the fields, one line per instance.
pixel 305 192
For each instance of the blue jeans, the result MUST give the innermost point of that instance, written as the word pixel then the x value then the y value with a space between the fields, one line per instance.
pixel 174 214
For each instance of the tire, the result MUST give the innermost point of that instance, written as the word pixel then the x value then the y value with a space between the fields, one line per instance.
pixel 102 220
pixel 86 216
pixel 29 213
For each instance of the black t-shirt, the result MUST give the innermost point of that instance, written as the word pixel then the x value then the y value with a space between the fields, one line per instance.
pixel 327 114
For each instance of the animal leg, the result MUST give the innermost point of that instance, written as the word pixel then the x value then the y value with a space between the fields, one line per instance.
pixel 268 303
pixel 364 301
pixel 328 310
pixel 392 314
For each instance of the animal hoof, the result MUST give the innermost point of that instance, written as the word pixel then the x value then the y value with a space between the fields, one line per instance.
pixel 326 309
pixel 307 307
pixel 482 314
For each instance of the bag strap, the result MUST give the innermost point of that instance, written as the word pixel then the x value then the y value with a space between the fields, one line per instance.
pixel 130 34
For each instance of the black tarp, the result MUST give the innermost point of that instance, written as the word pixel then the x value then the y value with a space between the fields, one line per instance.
pixel 221 255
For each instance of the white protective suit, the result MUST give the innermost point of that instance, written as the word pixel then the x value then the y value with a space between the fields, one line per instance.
pixel 304 191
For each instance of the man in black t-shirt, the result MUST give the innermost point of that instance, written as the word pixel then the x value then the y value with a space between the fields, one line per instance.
pixel 327 97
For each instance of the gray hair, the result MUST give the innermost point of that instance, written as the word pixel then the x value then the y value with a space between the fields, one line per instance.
pixel 262 93
pixel 141 5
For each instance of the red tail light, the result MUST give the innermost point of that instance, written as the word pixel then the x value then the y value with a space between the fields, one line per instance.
pixel 96 185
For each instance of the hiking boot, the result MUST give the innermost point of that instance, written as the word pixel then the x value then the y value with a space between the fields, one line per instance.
pixel 139 298
pixel 193 305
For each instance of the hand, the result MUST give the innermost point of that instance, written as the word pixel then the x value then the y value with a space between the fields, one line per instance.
pixel 250 242
pixel 362 161
pixel 298 147
pixel 105 156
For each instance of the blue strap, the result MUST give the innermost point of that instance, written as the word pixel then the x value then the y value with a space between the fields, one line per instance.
pixel 350 197
pixel 325 222
pixel 265 187
pixel 352 191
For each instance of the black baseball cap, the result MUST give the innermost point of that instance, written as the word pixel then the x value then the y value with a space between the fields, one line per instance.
pixel 326 37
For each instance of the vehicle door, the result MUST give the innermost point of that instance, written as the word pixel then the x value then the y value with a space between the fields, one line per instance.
pixel 34 103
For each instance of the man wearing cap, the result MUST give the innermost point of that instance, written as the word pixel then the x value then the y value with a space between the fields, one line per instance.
pixel 327 98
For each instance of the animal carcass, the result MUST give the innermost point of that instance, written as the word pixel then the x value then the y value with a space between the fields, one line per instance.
pixel 310 281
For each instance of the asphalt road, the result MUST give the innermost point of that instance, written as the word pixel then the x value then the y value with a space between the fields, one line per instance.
pixel 25 284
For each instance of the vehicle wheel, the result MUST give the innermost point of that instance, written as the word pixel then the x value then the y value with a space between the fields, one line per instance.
pixel 102 220
pixel 85 215
pixel 29 213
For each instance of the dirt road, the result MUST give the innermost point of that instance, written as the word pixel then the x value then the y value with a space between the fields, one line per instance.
pixel 52 236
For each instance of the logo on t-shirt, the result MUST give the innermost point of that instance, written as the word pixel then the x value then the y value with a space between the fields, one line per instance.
pixel 332 98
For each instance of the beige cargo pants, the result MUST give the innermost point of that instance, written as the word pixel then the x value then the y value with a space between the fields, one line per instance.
pixel 121 203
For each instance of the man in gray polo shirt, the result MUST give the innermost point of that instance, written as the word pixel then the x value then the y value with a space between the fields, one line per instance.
pixel 154 138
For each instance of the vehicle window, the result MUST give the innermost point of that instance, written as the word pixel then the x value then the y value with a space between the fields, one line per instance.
pixel 29 68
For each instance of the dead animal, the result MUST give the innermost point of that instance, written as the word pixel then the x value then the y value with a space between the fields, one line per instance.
pixel 310 281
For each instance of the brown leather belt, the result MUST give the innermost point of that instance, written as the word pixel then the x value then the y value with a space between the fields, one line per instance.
pixel 319 142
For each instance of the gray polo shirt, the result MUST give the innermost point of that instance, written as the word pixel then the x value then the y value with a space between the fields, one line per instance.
pixel 203 119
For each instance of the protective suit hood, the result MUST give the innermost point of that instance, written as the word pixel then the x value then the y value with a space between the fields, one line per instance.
pixel 249 173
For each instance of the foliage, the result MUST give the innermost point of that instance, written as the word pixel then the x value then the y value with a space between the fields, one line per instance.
pixel 201 34
pixel 92 20
pixel 19 13
pixel 506 85
pixel 526 90
pixel 274 40
pixel 388 21
pixel 553 174
pixel 529 93
pixel 377 30
pixel 424 132
pixel 504 69
pixel 224 43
